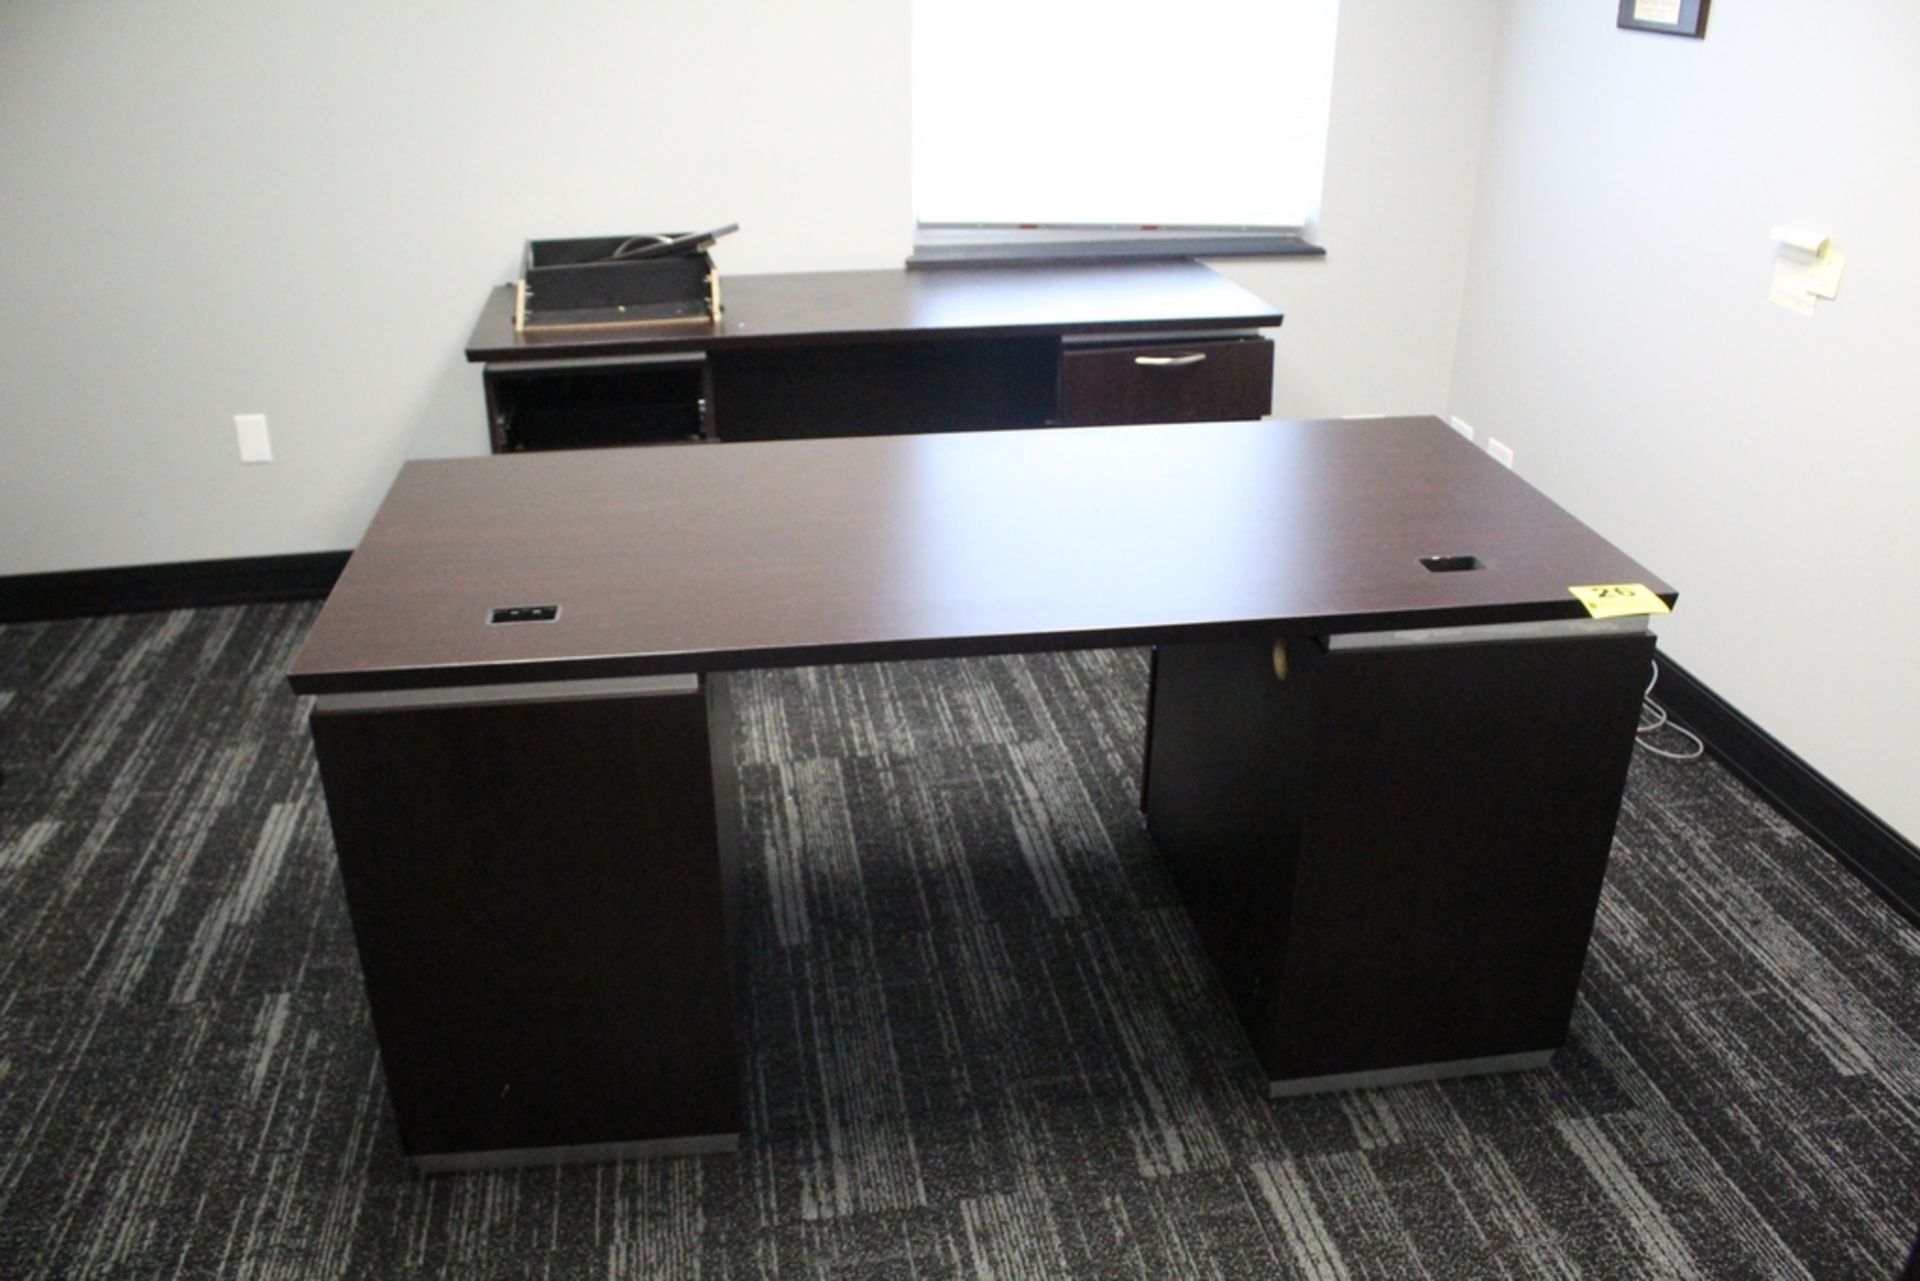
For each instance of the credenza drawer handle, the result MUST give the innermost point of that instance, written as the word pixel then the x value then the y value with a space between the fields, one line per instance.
pixel 1169 362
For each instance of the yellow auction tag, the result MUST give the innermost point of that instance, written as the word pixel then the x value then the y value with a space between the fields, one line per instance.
pixel 1620 600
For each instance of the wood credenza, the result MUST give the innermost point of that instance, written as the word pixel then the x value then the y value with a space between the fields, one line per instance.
pixel 863 353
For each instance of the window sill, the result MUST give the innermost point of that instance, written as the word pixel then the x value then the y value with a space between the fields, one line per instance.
pixel 950 246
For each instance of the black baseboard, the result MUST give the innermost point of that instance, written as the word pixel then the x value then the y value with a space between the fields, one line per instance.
pixel 1878 855
pixel 184 585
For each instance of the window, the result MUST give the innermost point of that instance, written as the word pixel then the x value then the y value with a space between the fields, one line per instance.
pixel 1039 124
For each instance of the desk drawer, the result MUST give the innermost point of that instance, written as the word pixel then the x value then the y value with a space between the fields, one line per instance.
pixel 1217 380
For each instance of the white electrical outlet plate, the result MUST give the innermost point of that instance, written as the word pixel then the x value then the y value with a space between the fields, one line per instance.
pixel 255 445
pixel 1460 425
pixel 1501 454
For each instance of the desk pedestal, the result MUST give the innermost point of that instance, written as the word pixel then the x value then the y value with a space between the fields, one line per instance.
pixel 545 931
pixel 1394 855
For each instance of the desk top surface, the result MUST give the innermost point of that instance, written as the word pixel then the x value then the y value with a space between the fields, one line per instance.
pixel 686 558
pixel 893 305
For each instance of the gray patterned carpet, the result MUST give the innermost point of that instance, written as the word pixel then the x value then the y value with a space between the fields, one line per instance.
pixel 980 1041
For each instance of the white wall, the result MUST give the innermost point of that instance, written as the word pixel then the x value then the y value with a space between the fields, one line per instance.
pixel 1370 328
pixel 215 207
pixel 1617 334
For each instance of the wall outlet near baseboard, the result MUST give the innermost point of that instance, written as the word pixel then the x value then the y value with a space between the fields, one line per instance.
pixel 1501 454
pixel 255 445
pixel 1460 425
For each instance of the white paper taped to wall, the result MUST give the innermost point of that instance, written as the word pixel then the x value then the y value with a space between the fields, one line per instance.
pixel 1789 288
pixel 1823 279
pixel 1806 266
pixel 1810 243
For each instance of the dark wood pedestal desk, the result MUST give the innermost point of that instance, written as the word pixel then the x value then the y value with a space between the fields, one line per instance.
pixel 1385 793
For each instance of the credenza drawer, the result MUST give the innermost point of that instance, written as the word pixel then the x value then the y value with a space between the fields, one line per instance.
pixel 1162 382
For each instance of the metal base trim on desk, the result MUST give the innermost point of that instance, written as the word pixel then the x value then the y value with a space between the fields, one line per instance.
pixel 1489 633
pixel 574 1153
pixel 538 692
pixel 1295 1086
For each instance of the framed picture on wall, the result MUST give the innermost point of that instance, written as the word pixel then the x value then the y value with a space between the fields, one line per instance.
pixel 1675 17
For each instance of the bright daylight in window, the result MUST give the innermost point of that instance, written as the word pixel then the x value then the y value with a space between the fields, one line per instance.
pixel 1117 113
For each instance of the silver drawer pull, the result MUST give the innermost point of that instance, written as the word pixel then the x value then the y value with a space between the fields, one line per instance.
pixel 1168 362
